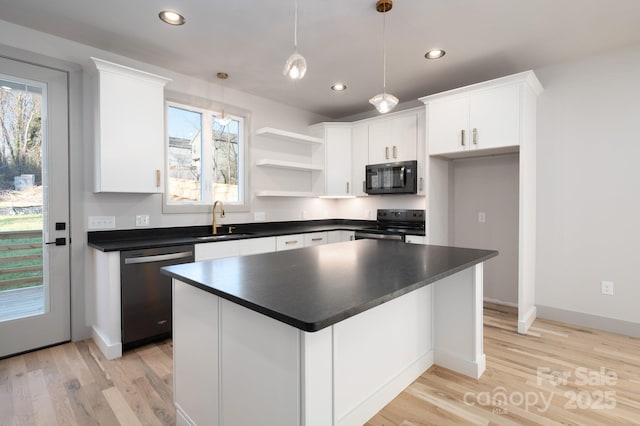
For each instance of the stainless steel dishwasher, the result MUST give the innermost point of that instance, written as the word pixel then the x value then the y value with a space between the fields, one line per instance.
pixel 146 293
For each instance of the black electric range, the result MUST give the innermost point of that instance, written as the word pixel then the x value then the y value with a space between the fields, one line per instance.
pixel 394 224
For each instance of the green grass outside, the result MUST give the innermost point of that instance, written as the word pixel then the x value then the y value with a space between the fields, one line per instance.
pixel 20 223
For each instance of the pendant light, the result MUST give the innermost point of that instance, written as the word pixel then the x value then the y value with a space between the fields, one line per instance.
pixel 296 65
pixel 222 120
pixel 384 102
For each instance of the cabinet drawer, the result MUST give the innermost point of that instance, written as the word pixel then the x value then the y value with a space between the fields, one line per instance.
pixel 289 242
pixel 315 239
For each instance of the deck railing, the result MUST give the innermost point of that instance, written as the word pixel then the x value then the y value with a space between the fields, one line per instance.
pixel 20 259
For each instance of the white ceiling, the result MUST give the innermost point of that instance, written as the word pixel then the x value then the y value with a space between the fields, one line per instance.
pixel 341 39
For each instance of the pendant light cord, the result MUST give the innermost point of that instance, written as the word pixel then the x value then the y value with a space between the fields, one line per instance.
pixel 384 53
pixel 295 26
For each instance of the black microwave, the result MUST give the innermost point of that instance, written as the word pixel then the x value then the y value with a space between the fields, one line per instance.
pixel 392 178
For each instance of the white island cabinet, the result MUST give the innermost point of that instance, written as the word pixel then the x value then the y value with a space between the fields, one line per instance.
pixel 303 339
pixel 129 129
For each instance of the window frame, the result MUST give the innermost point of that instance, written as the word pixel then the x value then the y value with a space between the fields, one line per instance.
pixel 206 106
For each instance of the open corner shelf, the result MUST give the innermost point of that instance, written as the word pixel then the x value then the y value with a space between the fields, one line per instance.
pixel 288 165
pixel 286 194
pixel 288 136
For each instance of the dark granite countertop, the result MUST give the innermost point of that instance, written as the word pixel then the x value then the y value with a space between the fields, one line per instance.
pixel 134 239
pixel 315 287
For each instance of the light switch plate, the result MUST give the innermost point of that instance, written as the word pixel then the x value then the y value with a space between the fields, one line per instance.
pixel 102 222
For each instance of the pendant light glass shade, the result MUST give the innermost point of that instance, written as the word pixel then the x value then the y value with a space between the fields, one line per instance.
pixel 384 102
pixel 296 66
pixel 223 120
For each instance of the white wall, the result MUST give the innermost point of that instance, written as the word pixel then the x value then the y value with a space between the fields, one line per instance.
pixel 489 185
pixel 588 212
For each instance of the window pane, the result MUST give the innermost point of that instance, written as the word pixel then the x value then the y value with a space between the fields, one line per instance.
pixel 225 154
pixel 185 150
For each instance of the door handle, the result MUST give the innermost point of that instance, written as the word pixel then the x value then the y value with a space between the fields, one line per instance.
pixel 59 242
pixel 347 187
pixel 462 137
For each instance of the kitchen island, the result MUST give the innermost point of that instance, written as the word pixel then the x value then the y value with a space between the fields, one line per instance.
pixel 324 335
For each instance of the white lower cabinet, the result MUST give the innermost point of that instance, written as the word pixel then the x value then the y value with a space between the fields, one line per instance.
pixel 289 242
pixel 315 239
pixel 340 236
pixel 414 239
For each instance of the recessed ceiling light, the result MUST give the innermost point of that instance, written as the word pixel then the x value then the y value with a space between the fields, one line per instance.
pixel 171 17
pixel 339 87
pixel 435 54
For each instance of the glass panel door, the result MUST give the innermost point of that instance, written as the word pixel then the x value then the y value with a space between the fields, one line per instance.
pixel 34 207
pixel 21 199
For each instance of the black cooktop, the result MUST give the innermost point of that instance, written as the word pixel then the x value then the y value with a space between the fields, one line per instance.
pixel 399 221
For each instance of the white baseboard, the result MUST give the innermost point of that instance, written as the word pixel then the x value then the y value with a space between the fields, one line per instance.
pixel 359 415
pixel 453 362
pixel 500 302
pixel 108 349
pixel 527 320
pixel 611 325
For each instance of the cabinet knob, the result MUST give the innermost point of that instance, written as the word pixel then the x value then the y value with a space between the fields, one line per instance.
pixel 462 137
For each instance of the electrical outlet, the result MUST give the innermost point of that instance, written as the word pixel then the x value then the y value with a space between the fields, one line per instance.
pixel 142 220
pixel 102 222
pixel 482 217
pixel 607 288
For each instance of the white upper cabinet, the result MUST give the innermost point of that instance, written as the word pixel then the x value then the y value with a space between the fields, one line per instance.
pixel 393 139
pixel 485 117
pixel 338 160
pixel 359 158
pixel 129 129
pixel 337 157
pixel 448 125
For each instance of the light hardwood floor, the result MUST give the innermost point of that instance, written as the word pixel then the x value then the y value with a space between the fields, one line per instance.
pixel 541 376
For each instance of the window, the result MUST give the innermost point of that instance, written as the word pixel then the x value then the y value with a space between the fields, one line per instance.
pixel 205 160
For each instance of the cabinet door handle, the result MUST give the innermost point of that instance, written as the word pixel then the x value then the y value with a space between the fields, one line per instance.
pixel 386 152
pixel 347 187
pixel 158 178
pixel 421 184
pixel 317 239
pixel 462 137
pixel 291 242
pixel 395 152
pixel 475 136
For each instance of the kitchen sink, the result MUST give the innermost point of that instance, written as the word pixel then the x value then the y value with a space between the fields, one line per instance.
pixel 223 236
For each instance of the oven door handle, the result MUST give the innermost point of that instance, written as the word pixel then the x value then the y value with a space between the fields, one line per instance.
pixel 402 176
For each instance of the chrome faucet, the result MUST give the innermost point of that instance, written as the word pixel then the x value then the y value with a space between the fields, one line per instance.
pixel 214 225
